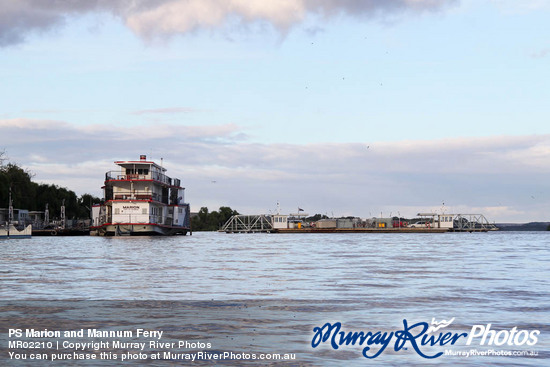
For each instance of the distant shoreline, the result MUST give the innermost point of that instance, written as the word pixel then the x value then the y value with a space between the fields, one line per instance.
pixel 531 226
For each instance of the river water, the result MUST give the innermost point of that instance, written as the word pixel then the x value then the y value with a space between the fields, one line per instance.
pixel 288 284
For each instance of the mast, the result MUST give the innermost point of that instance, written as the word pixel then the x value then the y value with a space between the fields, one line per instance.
pixel 46 216
pixel 10 213
pixel 63 214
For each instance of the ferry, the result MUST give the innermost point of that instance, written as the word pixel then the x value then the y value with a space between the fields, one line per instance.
pixel 140 199
pixel 296 223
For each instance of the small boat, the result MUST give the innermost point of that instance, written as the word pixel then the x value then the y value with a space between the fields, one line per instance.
pixel 9 232
pixel 140 199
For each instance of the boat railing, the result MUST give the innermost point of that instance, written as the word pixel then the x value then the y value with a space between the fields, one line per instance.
pixel 472 222
pixel 116 175
pixel 138 195
pixel 156 176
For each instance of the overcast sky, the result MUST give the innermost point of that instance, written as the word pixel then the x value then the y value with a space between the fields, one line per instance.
pixel 347 107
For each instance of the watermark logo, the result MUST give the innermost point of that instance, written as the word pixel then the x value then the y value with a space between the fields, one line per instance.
pixel 421 337
pixel 512 337
pixel 439 325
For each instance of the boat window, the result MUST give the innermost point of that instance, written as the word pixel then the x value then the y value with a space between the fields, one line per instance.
pixel 117 210
pixel 144 211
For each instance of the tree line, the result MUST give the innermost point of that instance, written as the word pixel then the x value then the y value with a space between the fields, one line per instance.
pixel 211 221
pixel 32 196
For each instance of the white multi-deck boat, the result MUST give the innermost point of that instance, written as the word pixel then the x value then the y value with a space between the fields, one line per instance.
pixel 141 200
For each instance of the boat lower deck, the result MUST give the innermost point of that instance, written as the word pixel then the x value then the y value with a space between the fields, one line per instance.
pixel 129 229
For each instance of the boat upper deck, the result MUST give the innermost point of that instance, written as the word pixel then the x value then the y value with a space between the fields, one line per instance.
pixel 141 170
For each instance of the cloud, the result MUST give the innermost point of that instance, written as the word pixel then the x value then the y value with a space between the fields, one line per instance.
pixel 22 17
pixel 57 140
pixel 503 177
pixel 17 19
pixel 152 19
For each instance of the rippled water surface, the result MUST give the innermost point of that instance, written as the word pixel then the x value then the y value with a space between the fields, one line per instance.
pixel 499 278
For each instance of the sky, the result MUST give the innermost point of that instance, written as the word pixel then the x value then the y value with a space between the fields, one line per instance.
pixel 340 107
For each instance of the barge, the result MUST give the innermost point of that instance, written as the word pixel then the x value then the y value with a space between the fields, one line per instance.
pixel 140 199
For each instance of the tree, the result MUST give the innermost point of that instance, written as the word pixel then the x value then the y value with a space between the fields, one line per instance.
pixel 2 158
pixel 316 217
pixel 32 196
pixel 211 221
pixel 85 203
pixel 19 181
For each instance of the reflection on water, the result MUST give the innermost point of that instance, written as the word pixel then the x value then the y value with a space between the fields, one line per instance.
pixel 361 279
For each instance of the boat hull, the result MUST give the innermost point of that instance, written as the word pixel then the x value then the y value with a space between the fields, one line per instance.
pixel 137 230
pixel 15 233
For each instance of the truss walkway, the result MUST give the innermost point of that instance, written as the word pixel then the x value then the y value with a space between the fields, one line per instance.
pixel 248 224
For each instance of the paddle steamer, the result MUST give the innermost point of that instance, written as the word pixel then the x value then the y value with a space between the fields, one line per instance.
pixel 140 199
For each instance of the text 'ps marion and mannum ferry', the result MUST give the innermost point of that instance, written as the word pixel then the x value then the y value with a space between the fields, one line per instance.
pixel 140 199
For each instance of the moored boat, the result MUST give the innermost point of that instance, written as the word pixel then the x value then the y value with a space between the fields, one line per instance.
pixel 8 232
pixel 140 199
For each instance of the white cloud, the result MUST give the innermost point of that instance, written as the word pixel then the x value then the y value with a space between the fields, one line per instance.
pixel 503 177
pixel 184 16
